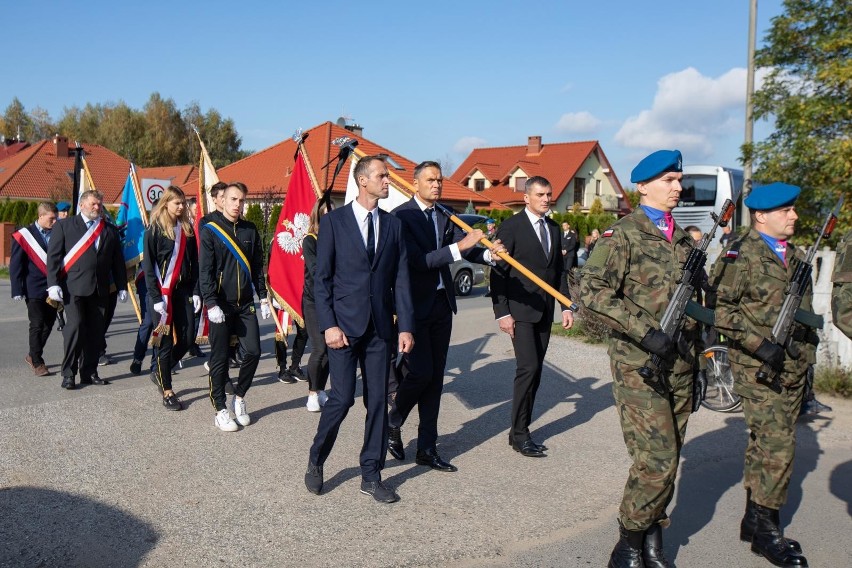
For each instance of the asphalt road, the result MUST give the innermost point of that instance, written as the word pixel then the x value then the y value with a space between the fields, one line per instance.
pixel 104 476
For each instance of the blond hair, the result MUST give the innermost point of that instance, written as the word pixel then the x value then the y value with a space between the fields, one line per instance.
pixel 160 213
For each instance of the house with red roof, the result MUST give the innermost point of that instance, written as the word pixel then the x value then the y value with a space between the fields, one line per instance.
pixel 579 172
pixel 267 172
pixel 45 171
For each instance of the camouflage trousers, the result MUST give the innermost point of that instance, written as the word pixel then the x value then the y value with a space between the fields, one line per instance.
pixel 653 429
pixel 771 449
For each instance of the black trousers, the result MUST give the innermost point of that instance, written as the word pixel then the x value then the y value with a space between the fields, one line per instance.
pixel 299 344
pixel 240 321
pixel 42 317
pixel 108 315
pixel 173 345
pixel 85 325
pixel 146 327
pixel 318 361
pixel 372 355
pixel 423 373
pixel 530 343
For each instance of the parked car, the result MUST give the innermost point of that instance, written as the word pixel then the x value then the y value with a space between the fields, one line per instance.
pixel 466 274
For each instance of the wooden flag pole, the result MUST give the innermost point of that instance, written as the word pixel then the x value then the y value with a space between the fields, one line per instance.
pixel 131 291
pixel 409 191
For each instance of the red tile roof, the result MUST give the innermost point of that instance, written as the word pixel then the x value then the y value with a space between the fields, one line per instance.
pixel 179 175
pixel 558 162
pixel 38 173
pixel 10 149
pixel 269 170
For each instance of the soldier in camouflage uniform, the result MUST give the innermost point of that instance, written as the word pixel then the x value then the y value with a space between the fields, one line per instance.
pixel 751 277
pixel 841 297
pixel 627 282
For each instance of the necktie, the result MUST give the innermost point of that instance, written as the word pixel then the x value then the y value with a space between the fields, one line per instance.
pixel 430 215
pixel 542 235
pixel 669 230
pixel 89 224
pixel 371 238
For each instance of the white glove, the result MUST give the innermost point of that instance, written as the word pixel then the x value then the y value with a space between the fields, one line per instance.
pixel 265 312
pixel 215 315
pixel 276 304
pixel 196 303
pixel 55 293
pixel 122 296
pixel 17 298
pixel 160 308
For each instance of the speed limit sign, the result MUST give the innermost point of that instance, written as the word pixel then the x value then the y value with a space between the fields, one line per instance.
pixel 152 189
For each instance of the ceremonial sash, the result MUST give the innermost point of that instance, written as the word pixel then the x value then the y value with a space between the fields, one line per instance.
pixel 27 241
pixel 85 242
pixel 168 281
pixel 232 246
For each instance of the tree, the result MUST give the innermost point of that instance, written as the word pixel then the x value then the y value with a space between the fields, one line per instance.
pixel 808 93
pixel 16 121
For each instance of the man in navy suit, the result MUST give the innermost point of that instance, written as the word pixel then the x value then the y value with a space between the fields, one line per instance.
pixel 28 275
pixel 522 309
pixel 433 243
pixel 83 254
pixel 361 278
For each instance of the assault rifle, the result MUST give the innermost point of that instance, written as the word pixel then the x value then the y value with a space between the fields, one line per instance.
pixel 782 331
pixel 693 269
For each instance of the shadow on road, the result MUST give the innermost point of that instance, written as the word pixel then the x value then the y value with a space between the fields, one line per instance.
pixel 41 527
pixel 840 486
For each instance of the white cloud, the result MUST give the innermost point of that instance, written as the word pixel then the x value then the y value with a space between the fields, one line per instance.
pixel 690 112
pixel 578 123
pixel 467 144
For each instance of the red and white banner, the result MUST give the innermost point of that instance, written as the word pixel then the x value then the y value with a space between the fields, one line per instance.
pixel 31 246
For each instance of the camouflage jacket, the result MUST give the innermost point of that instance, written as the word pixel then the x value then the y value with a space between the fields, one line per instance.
pixel 629 280
pixel 841 297
pixel 751 282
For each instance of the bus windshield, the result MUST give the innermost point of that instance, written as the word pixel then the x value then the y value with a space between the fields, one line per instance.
pixel 698 191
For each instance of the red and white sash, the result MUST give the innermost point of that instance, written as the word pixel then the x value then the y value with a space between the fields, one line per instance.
pixel 168 281
pixel 27 241
pixel 85 243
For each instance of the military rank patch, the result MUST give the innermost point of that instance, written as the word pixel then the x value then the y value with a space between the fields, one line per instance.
pixel 607 233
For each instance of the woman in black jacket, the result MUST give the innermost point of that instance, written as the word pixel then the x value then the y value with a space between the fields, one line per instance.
pixel 170 263
pixel 318 362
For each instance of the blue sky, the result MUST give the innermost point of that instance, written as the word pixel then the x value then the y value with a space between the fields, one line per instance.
pixel 428 80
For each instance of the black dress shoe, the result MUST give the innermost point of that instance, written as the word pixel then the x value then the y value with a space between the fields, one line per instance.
pixel 68 382
pixel 379 491
pixel 95 380
pixel 395 446
pixel 541 447
pixel 171 402
pixel 313 478
pixel 529 449
pixel 433 460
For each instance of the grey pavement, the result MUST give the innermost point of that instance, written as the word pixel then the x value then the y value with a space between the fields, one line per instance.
pixel 105 476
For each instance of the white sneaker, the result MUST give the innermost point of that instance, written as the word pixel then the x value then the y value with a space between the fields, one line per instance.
pixel 313 404
pixel 206 366
pixel 224 421
pixel 239 407
pixel 323 397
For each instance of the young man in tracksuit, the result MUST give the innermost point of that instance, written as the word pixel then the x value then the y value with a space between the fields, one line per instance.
pixel 230 264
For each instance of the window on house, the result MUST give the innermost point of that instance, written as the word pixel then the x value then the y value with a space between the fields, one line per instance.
pixel 520 182
pixel 598 187
pixel 479 184
pixel 580 191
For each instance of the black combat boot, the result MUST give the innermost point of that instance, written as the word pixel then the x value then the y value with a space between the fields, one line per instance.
pixel 749 525
pixel 652 551
pixel 628 551
pixel 769 541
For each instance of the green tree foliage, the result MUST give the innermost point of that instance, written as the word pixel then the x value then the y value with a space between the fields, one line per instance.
pixel 632 197
pixel 158 135
pixel 32 212
pixel 808 93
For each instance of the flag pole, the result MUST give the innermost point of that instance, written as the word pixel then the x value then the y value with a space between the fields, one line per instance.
pixel 409 191
pixel 78 168
pixel 300 138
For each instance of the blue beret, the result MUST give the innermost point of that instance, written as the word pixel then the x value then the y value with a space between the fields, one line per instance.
pixel 63 206
pixel 772 196
pixel 489 220
pixel 655 164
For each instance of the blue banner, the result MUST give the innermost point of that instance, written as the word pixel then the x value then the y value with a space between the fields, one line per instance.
pixel 130 224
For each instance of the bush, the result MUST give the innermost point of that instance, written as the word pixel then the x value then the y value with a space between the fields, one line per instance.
pixel 835 381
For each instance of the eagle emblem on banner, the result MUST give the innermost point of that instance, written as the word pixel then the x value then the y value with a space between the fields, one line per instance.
pixel 291 242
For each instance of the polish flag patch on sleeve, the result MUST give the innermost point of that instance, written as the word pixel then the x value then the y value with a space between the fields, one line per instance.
pixel 607 233
pixel 732 254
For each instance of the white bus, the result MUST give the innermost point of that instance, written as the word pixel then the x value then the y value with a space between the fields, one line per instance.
pixel 705 189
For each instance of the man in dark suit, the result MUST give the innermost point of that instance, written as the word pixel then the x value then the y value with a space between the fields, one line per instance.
pixel 361 278
pixel 525 311
pixel 28 275
pixel 433 243
pixel 570 244
pixel 83 254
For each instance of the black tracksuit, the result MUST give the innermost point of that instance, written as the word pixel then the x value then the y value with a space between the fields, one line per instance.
pixel 223 283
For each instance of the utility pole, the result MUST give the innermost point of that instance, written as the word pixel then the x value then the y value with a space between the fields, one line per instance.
pixel 749 122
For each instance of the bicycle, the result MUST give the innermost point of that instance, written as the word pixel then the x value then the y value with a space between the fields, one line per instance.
pixel 720 395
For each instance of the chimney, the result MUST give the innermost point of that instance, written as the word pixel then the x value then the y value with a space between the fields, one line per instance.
pixel 355 129
pixel 60 145
pixel 534 145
